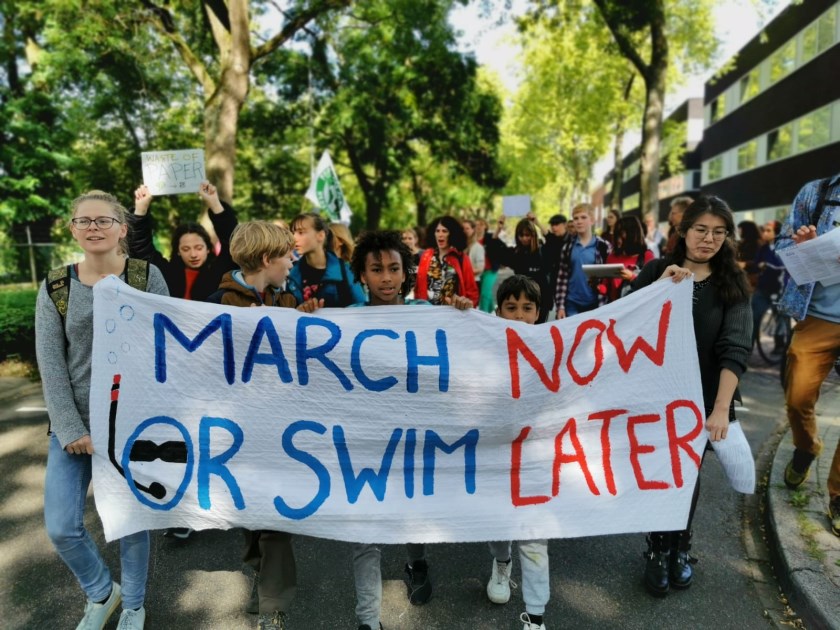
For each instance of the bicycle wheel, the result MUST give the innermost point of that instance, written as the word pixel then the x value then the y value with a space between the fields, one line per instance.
pixel 769 336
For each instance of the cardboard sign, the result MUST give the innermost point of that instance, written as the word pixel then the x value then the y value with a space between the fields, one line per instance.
pixel 394 424
pixel 173 172
pixel 516 205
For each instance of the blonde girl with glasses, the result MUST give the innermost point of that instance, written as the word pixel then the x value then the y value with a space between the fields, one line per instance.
pixel 64 347
pixel 705 256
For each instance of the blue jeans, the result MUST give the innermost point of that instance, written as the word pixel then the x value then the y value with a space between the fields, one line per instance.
pixel 573 308
pixel 367 573
pixel 533 556
pixel 65 489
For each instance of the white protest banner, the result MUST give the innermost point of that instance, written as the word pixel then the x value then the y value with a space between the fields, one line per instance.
pixel 516 205
pixel 173 172
pixel 325 191
pixel 394 424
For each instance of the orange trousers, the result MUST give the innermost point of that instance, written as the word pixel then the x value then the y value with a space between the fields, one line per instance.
pixel 813 350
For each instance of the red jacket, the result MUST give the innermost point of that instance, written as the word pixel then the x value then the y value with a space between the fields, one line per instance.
pixel 463 269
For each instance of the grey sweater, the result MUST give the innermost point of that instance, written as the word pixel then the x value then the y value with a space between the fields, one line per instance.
pixel 64 360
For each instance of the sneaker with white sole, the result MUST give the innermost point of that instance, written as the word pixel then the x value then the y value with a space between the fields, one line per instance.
pixel 132 619
pixel 530 625
pixel 498 588
pixel 97 615
pixel 181 533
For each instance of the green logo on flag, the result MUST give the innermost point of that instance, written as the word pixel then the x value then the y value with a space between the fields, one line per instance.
pixel 329 194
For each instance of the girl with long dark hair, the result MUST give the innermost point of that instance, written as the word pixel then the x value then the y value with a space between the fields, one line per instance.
pixel 193 270
pixel 704 254
pixel 525 258
pixel 630 250
pixel 445 270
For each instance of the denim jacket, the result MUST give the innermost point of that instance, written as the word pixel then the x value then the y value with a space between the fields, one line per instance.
pixel 795 299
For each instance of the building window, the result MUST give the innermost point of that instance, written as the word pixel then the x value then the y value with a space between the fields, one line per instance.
pixel 814 129
pixel 809 43
pixel 715 168
pixel 630 202
pixel 631 170
pixel 783 61
pixel 747 155
pixel 827 30
pixel 819 36
pixel 716 110
pixel 780 142
pixel 749 85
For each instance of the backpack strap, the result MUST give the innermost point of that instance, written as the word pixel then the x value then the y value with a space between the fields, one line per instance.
pixel 58 282
pixel 136 273
pixel 823 200
pixel 58 288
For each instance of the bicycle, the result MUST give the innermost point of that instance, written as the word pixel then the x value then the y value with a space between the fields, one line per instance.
pixel 772 335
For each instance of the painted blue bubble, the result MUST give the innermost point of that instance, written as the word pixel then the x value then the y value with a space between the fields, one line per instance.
pixel 127 312
pixel 112 358
pixel 110 325
pixel 125 347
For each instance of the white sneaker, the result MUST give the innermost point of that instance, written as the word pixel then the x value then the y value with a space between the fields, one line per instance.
pixel 524 618
pixel 132 619
pixel 498 588
pixel 96 615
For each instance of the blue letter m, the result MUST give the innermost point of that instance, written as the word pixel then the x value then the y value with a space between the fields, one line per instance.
pixel 164 324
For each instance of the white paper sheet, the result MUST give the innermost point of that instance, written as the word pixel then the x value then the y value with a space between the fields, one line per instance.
pixel 815 260
pixel 516 205
pixel 612 270
pixel 736 458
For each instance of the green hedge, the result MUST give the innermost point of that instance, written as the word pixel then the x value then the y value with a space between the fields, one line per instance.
pixel 17 323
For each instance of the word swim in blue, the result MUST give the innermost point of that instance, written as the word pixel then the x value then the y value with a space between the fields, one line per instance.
pixel 208 467
pixel 265 332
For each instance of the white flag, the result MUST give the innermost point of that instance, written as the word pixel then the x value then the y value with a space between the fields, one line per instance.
pixel 325 191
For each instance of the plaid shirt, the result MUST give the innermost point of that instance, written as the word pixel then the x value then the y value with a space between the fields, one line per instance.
pixel 602 250
pixel 796 298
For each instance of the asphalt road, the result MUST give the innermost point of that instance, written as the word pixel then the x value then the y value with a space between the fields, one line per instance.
pixel 596 582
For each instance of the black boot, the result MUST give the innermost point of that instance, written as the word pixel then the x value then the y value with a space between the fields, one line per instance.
pixel 418 582
pixel 656 569
pixel 680 569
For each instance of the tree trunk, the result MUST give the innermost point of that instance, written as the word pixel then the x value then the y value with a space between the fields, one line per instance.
pixel 618 169
pixel 419 199
pixel 222 107
pixel 373 191
pixel 618 151
pixel 221 121
pixel 653 74
pixel 654 107
pixel 651 138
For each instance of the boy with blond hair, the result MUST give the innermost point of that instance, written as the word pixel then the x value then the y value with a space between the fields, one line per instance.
pixel 263 250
